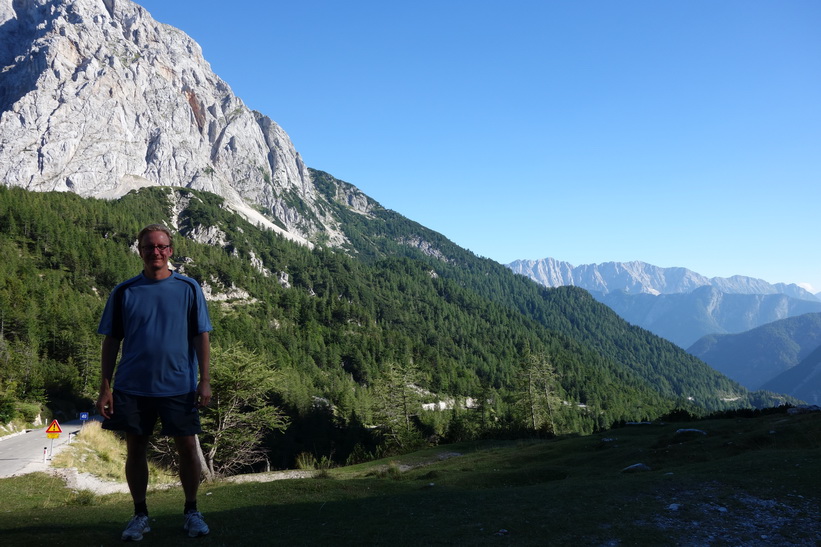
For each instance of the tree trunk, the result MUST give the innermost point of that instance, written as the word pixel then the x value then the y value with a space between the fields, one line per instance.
pixel 549 409
pixel 206 469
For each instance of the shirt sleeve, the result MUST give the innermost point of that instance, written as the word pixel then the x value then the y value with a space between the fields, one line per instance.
pixel 203 319
pixel 106 326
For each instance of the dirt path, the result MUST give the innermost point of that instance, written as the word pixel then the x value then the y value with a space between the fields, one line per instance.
pixel 76 480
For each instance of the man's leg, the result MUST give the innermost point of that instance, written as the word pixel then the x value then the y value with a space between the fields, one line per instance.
pixel 136 474
pixel 190 467
pixel 190 475
pixel 136 466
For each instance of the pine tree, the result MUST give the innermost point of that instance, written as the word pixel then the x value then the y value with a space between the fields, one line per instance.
pixel 537 386
pixel 396 401
pixel 239 417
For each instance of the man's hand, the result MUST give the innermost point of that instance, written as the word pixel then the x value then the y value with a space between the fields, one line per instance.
pixel 202 345
pixel 105 403
pixel 203 393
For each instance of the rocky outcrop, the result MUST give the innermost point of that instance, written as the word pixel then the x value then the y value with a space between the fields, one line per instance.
pixel 97 98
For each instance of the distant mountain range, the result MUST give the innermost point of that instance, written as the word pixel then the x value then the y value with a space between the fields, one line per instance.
pixel 764 336
pixel 641 278
pixel 676 303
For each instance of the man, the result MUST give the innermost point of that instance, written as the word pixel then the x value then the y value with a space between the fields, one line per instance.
pixel 161 319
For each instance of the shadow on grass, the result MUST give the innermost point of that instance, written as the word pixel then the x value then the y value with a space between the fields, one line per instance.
pixel 742 480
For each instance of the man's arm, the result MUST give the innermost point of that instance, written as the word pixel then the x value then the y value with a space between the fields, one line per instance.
pixel 108 360
pixel 202 345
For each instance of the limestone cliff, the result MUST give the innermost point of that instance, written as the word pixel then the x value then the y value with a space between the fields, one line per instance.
pixel 98 98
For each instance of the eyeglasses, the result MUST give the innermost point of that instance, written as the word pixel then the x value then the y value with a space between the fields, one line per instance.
pixel 149 248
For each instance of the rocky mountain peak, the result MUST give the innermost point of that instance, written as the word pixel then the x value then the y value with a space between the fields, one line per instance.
pixel 641 278
pixel 98 98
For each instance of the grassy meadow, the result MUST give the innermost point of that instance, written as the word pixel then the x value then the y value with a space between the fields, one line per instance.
pixel 732 481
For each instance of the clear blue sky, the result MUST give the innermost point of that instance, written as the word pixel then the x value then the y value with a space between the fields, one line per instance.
pixel 676 133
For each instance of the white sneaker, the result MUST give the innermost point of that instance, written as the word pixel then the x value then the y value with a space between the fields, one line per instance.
pixel 137 526
pixel 195 525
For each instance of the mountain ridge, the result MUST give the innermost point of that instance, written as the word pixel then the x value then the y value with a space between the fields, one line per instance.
pixel 755 358
pixel 637 277
pixel 803 380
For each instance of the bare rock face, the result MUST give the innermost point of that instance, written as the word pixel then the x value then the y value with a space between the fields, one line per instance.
pixel 97 98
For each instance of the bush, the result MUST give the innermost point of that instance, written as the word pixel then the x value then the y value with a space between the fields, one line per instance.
pixel 30 412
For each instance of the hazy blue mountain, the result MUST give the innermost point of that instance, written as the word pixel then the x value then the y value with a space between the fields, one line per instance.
pixel 685 318
pixel 756 357
pixel 803 380
pixel 676 303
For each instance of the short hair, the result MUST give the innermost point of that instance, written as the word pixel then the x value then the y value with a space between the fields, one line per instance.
pixel 155 228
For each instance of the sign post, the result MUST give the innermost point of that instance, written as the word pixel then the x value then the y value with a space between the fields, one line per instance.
pixel 83 418
pixel 53 432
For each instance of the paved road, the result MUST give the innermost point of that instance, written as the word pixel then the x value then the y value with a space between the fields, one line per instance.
pixel 23 453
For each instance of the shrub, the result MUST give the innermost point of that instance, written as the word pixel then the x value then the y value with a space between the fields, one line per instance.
pixel 29 411
pixel 306 461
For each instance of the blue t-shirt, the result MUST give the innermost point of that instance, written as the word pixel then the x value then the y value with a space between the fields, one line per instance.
pixel 156 320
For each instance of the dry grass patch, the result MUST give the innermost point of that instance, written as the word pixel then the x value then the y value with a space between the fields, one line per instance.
pixel 102 453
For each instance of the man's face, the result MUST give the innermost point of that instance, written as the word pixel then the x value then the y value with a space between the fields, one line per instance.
pixel 155 250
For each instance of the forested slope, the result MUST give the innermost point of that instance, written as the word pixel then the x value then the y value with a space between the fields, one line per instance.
pixel 640 355
pixel 332 328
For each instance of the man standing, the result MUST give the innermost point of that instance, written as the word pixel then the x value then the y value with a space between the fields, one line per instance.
pixel 161 319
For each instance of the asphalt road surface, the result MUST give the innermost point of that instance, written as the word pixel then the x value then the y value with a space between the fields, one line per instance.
pixel 32 451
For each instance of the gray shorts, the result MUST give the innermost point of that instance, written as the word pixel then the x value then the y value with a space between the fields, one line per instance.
pixel 137 414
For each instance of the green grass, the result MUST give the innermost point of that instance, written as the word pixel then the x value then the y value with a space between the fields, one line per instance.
pixel 745 479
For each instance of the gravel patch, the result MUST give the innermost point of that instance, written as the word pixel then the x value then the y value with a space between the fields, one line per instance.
pixel 711 515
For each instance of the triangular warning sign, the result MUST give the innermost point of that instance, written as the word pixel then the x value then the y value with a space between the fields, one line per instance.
pixel 54 427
